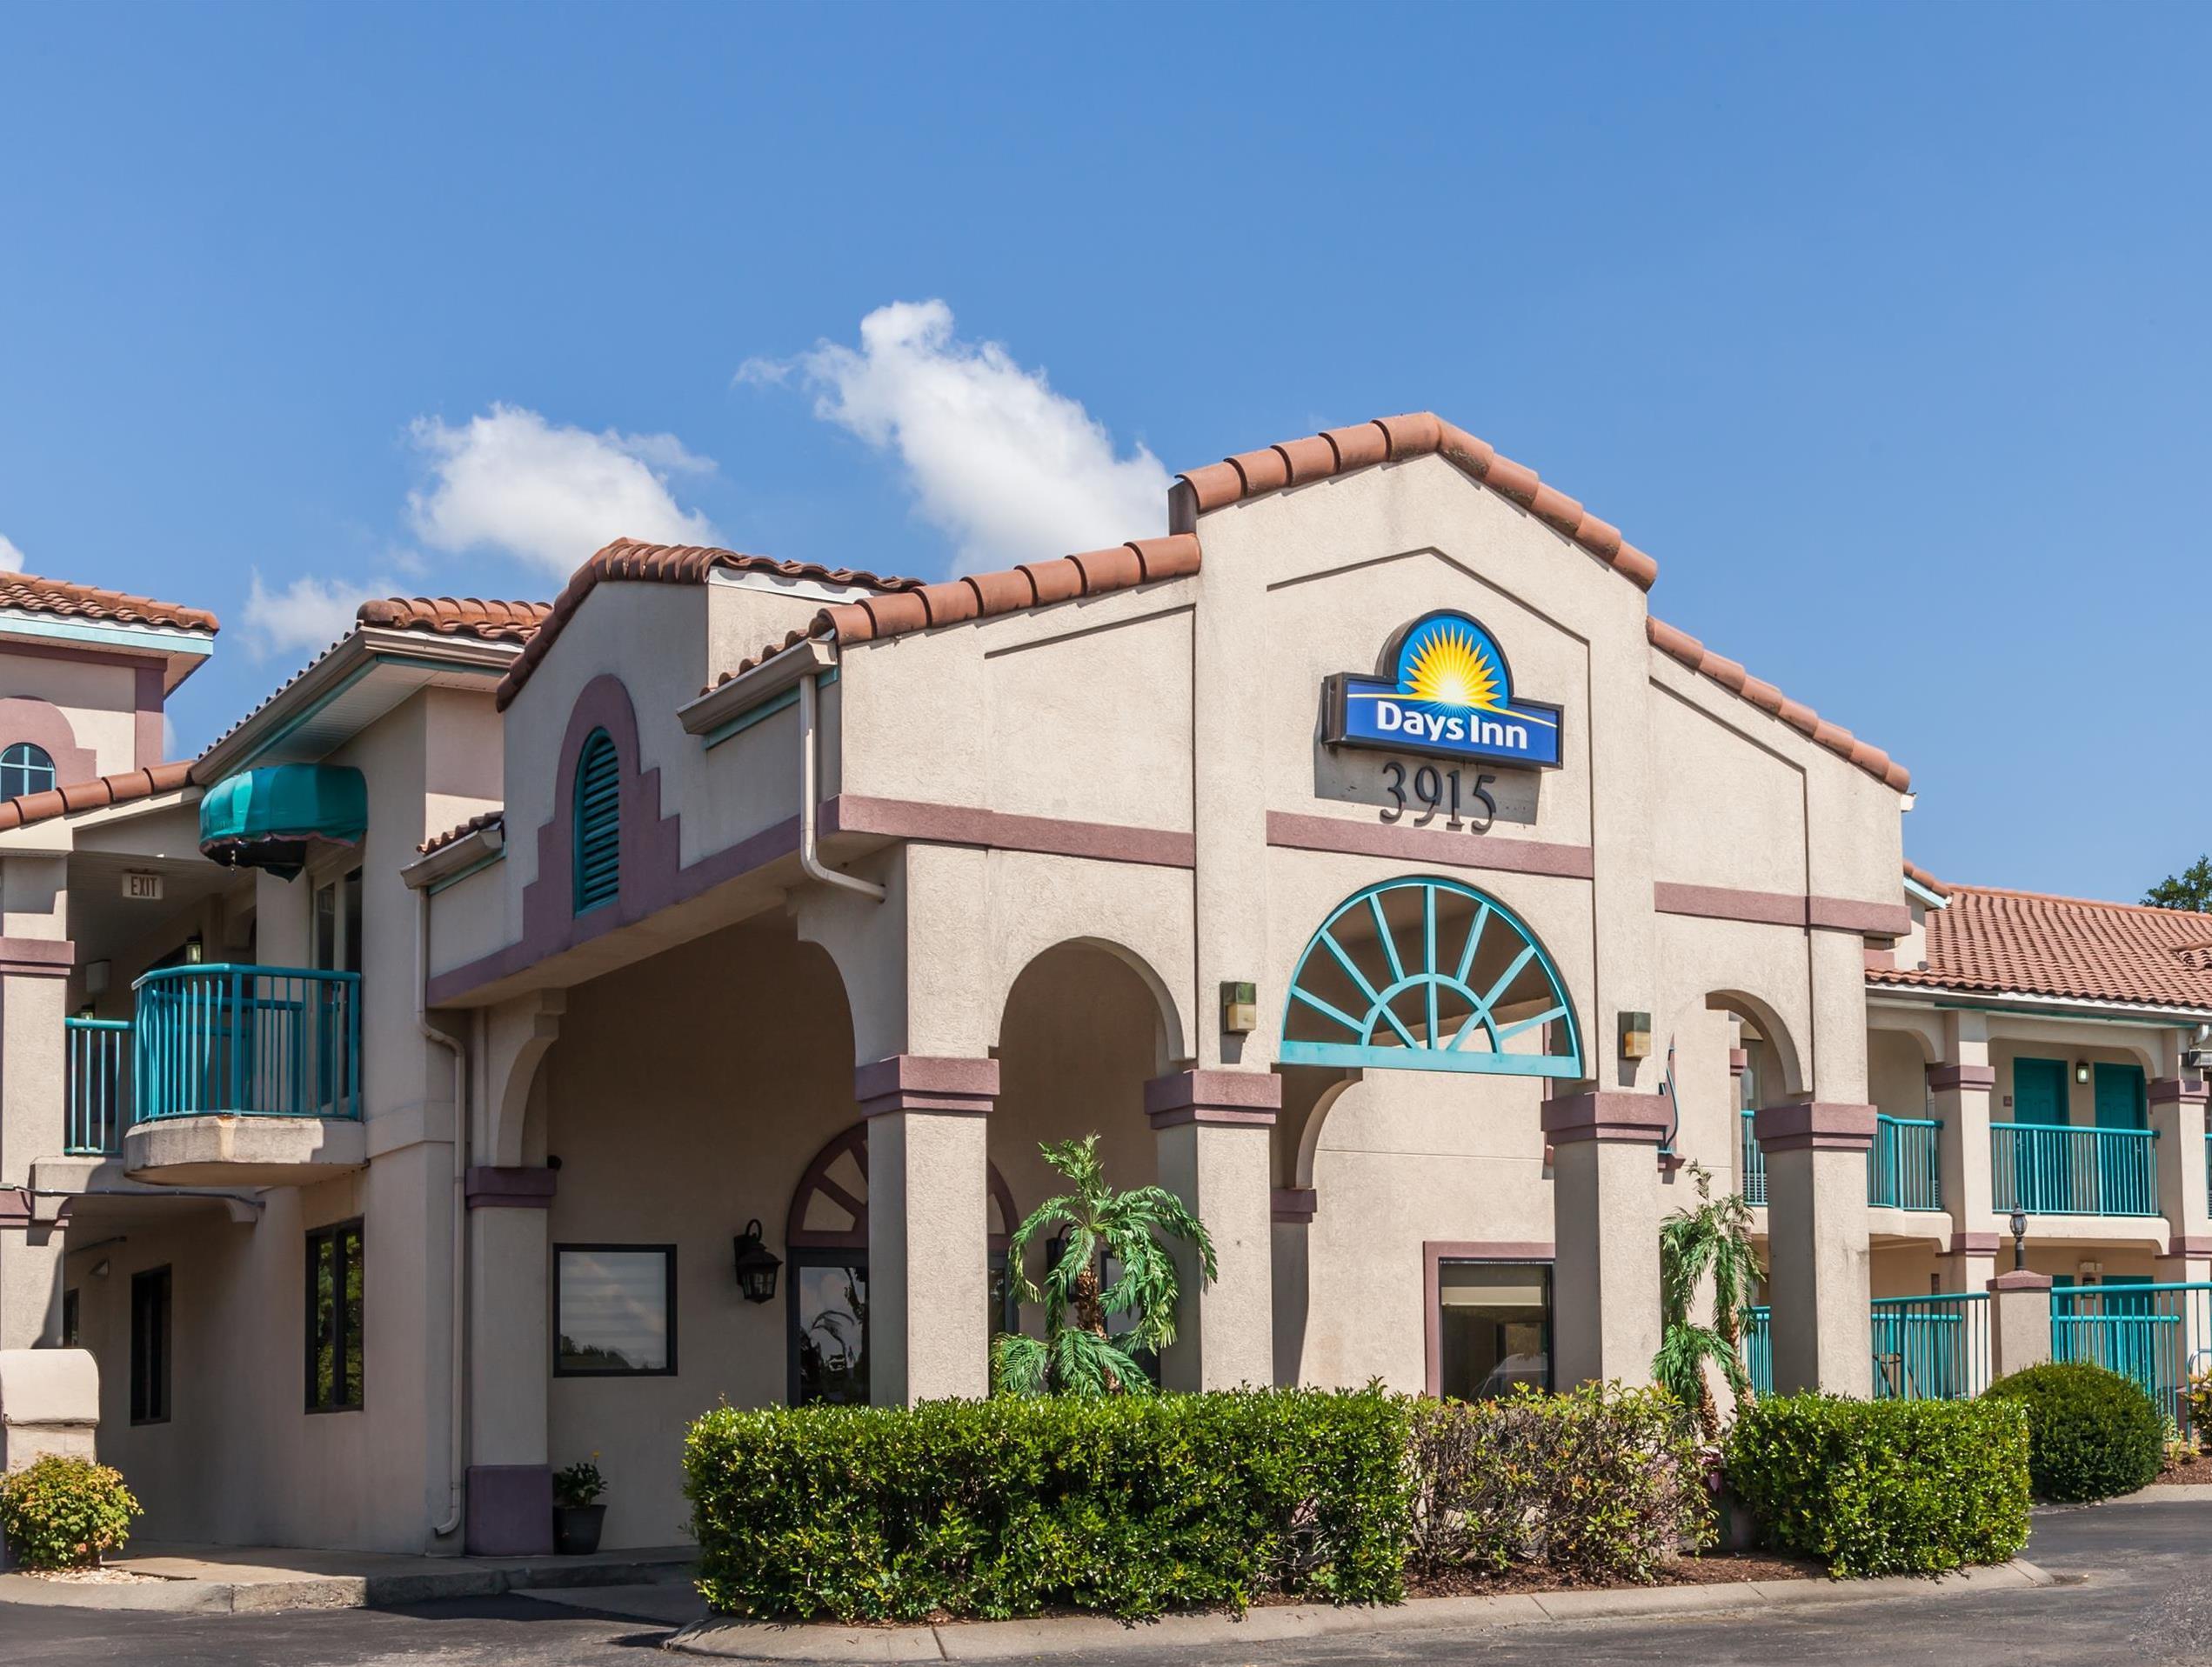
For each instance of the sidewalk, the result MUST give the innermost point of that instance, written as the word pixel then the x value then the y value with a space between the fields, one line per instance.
pixel 219 1580
pixel 1096 1635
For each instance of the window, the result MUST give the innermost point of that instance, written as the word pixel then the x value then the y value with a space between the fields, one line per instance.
pixel 334 1314
pixel 598 822
pixel 72 1322
pixel 24 769
pixel 150 1346
pixel 614 1308
pixel 338 924
pixel 1493 1327
pixel 829 1312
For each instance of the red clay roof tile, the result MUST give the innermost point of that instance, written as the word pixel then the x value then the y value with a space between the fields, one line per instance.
pixel 2025 943
pixel 476 824
pixel 95 794
pixel 490 622
pixel 37 596
pixel 630 560
pixel 1921 877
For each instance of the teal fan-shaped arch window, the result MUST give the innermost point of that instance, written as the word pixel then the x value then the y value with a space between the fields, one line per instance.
pixel 598 822
pixel 25 767
pixel 1424 974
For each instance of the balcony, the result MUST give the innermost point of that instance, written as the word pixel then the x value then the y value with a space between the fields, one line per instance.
pixel 1903 1165
pixel 239 1075
pixel 2054 1170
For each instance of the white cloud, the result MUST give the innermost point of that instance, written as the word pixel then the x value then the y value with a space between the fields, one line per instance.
pixel 510 481
pixel 1010 469
pixel 307 616
pixel 10 559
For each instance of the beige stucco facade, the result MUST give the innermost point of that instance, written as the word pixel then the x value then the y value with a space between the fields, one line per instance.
pixel 1051 834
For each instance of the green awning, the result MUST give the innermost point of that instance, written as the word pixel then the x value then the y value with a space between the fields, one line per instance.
pixel 278 817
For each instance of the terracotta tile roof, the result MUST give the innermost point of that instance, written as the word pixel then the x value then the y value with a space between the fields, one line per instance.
pixel 39 596
pixel 626 559
pixel 100 791
pixel 1921 877
pixel 985 596
pixel 1391 439
pixel 2027 943
pixel 476 824
pixel 489 622
pixel 1681 645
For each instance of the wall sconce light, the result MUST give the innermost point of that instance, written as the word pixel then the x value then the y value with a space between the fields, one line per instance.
pixel 1635 1036
pixel 97 974
pixel 756 1264
pixel 1240 1007
pixel 2081 1070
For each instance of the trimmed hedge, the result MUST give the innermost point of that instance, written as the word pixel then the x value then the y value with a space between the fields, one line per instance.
pixel 1001 1508
pixel 1884 1487
pixel 1600 1483
pixel 65 1513
pixel 2091 1433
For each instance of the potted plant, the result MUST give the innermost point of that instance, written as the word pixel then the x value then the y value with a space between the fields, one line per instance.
pixel 577 1514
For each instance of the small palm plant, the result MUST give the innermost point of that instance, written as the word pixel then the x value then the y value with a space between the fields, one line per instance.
pixel 1713 1240
pixel 1128 1232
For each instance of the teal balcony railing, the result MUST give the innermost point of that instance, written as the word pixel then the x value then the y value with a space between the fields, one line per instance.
pixel 1754 1165
pixel 246 1041
pixel 98 1060
pixel 1758 1349
pixel 1931 1348
pixel 1904 1163
pixel 2157 1335
pixel 2054 1170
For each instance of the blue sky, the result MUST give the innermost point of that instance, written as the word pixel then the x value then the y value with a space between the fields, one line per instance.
pixel 1883 328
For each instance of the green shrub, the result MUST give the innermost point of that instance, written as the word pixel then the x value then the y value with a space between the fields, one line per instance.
pixel 64 1513
pixel 1600 1483
pixel 1883 1487
pixel 1131 1505
pixel 2091 1433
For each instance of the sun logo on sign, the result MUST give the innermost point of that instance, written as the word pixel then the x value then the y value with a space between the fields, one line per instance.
pixel 1449 668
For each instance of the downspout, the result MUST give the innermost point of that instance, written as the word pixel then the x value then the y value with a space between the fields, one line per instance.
pixel 810 794
pixel 457 1411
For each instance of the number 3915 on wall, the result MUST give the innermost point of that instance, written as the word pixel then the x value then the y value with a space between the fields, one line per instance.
pixel 1439 792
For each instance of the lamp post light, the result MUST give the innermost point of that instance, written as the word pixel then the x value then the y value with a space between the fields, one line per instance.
pixel 755 1265
pixel 2019 1240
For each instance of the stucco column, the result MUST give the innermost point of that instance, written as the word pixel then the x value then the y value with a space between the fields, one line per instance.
pixel 929 1231
pixel 34 1002
pixel 2177 1113
pixel 1212 1129
pixel 2020 1321
pixel 511 1354
pixel 1959 1096
pixel 1817 1265
pixel 1606 1208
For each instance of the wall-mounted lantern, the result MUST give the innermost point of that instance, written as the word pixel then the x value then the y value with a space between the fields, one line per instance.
pixel 1240 1007
pixel 1635 1036
pixel 2081 1070
pixel 755 1265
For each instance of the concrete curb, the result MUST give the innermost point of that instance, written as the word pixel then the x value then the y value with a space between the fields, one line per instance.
pixel 1093 1635
pixel 188 1595
pixel 2178 1493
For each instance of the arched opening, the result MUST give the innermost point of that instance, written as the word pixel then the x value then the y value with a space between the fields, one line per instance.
pixel 825 1242
pixel 25 767
pixel 1429 974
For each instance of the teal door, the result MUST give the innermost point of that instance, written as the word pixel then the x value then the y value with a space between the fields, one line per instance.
pixel 2119 1097
pixel 2123 1171
pixel 2042 1165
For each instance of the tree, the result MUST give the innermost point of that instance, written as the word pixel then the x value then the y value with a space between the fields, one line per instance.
pixel 2191 889
pixel 1129 1232
pixel 1713 1240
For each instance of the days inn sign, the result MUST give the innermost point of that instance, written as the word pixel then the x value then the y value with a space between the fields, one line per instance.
pixel 1446 691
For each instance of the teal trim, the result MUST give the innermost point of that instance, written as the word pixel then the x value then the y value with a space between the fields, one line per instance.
pixel 767 709
pixel 1389 962
pixel 314 707
pixel 137 639
pixel 217 1039
pixel 597 811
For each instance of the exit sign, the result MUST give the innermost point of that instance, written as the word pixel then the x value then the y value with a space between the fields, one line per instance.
pixel 141 887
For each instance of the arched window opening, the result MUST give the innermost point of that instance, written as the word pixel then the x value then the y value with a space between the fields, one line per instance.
pixel 598 822
pixel 825 1244
pixel 1425 974
pixel 25 768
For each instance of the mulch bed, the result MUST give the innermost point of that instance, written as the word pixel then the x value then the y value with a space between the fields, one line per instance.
pixel 1718 1569
pixel 2188 1473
